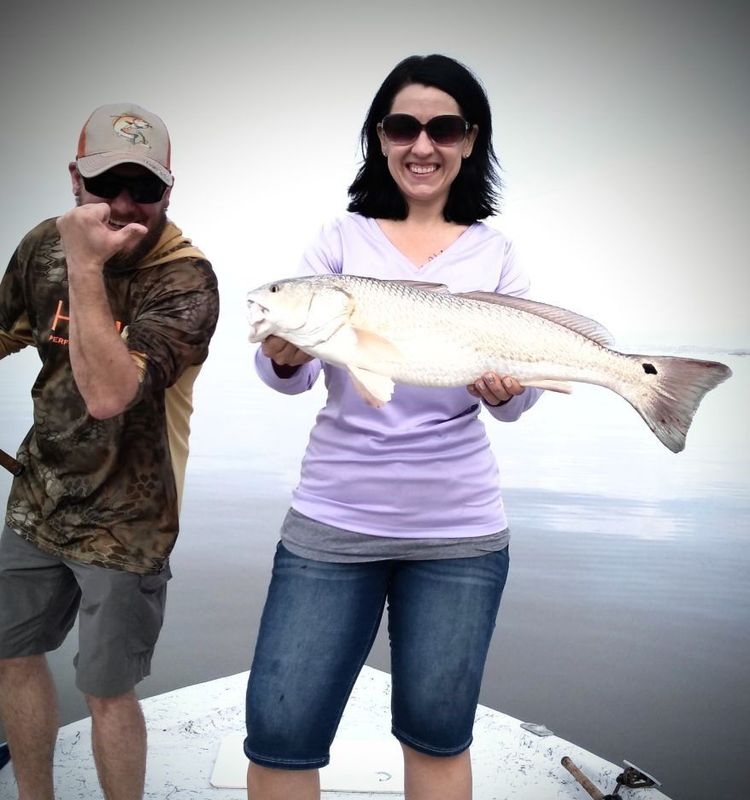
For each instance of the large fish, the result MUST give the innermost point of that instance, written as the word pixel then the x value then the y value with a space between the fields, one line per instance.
pixel 422 334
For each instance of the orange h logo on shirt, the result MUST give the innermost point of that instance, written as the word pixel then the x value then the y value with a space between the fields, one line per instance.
pixel 59 316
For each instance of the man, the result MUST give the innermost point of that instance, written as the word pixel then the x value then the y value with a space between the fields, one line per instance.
pixel 121 308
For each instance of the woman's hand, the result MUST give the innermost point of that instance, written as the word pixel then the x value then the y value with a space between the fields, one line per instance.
pixel 286 358
pixel 495 389
pixel 283 353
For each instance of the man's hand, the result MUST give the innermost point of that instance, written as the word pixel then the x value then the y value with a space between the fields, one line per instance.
pixel 104 372
pixel 495 389
pixel 89 241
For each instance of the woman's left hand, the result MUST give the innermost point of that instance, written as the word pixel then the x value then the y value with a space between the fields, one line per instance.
pixel 495 389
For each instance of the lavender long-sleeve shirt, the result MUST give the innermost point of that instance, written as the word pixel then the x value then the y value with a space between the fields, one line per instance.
pixel 421 466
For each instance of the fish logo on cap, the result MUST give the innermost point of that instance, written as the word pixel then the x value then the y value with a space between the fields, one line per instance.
pixel 131 128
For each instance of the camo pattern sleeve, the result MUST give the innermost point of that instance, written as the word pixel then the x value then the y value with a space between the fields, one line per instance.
pixel 15 333
pixel 103 491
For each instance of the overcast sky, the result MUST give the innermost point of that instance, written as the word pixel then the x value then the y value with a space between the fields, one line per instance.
pixel 622 128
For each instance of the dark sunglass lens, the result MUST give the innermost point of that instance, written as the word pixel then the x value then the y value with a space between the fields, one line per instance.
pixel 446 130
pixel 147 189
pixel 102 186
pixel 142 189
pixel 401 128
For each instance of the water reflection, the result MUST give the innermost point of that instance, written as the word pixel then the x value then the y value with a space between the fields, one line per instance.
pixel 586 513
pixel 628 586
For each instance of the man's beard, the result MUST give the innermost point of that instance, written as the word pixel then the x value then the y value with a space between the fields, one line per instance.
pixel 122 261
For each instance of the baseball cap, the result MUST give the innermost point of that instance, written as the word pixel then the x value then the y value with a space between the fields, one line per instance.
pixel 124 133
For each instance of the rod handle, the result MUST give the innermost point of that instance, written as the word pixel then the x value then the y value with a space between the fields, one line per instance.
pixel 582 779
pixel 11 464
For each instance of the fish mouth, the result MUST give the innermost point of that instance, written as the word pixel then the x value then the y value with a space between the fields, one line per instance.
pixel 261 317
pixel 260 322
pixel 257 317
pixel 254 307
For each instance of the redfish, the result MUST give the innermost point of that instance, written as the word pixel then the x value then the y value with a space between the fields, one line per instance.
pixel 386 332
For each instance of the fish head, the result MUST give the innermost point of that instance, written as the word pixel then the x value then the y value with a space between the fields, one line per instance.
pixel 303 311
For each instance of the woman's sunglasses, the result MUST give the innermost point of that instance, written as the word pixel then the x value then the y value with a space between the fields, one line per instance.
pixel 446 130
pixel 145 188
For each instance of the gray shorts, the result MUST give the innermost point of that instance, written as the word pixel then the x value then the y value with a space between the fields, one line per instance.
pixel 119 613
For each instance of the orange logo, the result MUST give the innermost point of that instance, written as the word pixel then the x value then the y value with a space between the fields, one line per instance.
pixel 131 128
pixel 60 317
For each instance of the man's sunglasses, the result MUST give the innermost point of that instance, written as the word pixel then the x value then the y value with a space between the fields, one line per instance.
pixel 146 188
pixel 446 130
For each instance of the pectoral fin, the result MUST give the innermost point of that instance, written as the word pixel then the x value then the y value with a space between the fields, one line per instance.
pixel 376 390
pixel 373 347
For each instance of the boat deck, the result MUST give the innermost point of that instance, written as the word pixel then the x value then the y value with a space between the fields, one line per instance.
pixel 189 728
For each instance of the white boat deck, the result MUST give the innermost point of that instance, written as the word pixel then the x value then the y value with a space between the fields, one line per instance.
pixel 188 729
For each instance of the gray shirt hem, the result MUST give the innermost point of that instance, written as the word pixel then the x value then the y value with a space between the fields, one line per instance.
pixel 319 541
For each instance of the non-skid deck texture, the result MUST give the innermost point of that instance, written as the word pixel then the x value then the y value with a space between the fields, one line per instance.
pixel 187 729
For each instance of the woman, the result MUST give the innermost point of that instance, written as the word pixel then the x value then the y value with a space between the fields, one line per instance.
pixel 399 504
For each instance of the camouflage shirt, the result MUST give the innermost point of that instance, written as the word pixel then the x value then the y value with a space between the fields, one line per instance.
pixel 104 491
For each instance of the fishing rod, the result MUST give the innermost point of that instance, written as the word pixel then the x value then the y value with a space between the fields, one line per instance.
pixel 632 777
pixel 7 461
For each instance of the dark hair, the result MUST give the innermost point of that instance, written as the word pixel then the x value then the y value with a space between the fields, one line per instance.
pixel 475 192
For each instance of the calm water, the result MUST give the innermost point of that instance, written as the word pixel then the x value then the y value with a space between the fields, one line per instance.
pixel 625 623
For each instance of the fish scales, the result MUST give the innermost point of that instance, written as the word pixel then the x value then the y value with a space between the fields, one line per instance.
pixel 472 337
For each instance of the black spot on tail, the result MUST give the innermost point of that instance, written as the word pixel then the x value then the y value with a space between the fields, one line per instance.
pixel 649 369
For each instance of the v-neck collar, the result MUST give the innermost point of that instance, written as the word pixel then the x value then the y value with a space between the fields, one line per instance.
pixel 434 261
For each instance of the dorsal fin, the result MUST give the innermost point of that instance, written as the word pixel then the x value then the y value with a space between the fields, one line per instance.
pixel 424 285
pixel 576 322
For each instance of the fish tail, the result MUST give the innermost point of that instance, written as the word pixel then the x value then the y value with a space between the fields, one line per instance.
pixel 670 391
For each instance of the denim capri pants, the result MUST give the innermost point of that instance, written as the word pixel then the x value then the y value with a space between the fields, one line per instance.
pixel 318 625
